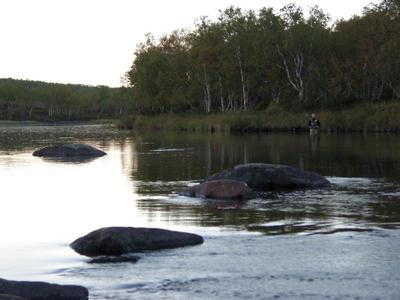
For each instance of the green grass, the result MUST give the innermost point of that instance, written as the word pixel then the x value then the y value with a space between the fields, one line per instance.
pixel 363 118
pixel 4 123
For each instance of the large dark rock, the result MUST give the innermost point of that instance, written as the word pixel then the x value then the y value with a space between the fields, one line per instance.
pixel 220 189
pixel 121 240
pixel 267 176
pixel 42 291
pixel 69 150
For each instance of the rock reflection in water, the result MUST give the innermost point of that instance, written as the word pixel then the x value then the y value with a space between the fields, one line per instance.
pixel 349 204
pixel 303 244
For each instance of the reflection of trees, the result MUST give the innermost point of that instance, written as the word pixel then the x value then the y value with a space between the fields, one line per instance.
pixel 346 156
pixel 205 155
pixel 342 156
pixel 213 213
pixel 27 138
pixel 157 173
pixel 294 212
pixel 127 149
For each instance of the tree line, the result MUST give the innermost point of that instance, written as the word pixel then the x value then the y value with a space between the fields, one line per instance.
pixel 248 60
pixel 35 100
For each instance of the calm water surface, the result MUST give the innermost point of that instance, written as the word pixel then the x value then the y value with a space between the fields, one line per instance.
pixel 341 243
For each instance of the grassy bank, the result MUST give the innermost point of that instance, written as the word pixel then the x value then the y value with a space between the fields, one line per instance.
pixel 5 123
pixel 383 117
pixel 8 123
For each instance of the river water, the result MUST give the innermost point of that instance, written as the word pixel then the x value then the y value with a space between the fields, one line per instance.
pixel 341 243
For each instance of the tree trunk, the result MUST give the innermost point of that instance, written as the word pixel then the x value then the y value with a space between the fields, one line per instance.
pixel 208 90
pixel 296 81
pixel 242 79
pixel 396 92
pixel 221 95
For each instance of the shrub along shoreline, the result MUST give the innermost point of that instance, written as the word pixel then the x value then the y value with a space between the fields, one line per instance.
pixel 366 118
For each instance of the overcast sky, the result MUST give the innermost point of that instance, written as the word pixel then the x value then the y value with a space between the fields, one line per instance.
pixel 92 41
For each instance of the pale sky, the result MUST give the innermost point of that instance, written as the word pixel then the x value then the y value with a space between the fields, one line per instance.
pixel 92 41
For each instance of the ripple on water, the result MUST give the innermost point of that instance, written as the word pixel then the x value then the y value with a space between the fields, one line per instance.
pixel 304 244
pixel 163 150
pixel 355 204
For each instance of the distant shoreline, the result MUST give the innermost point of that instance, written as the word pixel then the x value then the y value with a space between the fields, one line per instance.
pixel 371 118
pixel 12 123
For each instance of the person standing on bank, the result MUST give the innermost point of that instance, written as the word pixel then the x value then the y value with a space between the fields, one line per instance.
pixel 314 124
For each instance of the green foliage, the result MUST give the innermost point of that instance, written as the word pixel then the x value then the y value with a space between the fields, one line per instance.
pixel 248 60
pixel 373 117
pixel 33 100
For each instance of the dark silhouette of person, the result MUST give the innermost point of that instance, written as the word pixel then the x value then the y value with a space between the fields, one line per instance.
pixel 314 123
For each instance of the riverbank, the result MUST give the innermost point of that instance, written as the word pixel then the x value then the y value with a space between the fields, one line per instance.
pixel 11 123
pixel 383 117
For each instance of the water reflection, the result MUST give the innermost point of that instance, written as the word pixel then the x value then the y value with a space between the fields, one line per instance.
pixel 252 248
pixel 354 207
pixel 349 161
pixel 363 170
pixel 314 144
pixel 337 155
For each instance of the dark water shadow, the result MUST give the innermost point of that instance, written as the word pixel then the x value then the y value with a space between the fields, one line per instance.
pixel 70 159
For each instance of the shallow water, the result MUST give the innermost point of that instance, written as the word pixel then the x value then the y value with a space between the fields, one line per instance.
pixel 341 243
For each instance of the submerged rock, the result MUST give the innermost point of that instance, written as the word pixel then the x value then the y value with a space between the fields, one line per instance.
pixel 114 259
pixel 41 291
pixel 69 150
pixel 220 189
pixel 267 176
pixel 116 241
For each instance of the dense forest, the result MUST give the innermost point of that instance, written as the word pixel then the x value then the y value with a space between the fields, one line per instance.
pixel 249 60
pixel 35 100
pixel 288 61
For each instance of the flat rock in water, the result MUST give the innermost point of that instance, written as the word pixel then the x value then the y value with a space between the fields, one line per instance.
pixel 114 259
pixel 268 176
pixel 220 189
pixel 69 150
pixel 116 241
pixel 42 291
